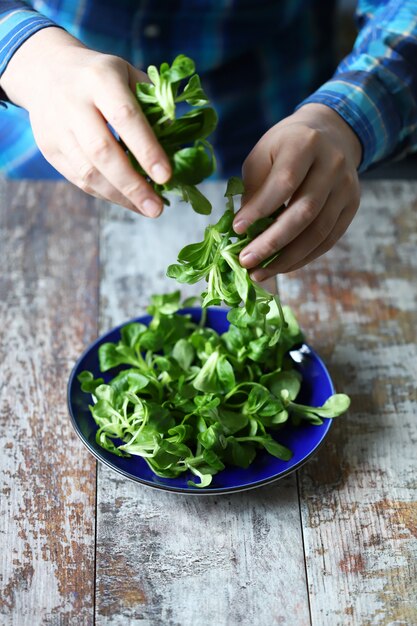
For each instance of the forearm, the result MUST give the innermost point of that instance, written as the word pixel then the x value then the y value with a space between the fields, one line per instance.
pixel 375 88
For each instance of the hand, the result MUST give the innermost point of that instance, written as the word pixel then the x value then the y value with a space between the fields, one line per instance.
pixel 71 94
pixel 309 160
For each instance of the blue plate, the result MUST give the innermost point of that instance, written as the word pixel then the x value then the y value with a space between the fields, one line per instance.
pixel 303 440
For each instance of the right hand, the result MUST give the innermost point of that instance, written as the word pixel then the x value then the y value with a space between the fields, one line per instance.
pixel 71 93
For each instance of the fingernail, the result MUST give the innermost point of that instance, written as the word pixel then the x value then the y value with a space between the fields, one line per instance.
pixel 160 173
pixel 250 259
pixel 151 207
pixel 240 226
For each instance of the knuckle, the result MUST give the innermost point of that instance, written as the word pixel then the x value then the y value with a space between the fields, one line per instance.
pixel 99 149
pixel 101 64
pixel 87 174
pixel 269 247
pixel 124 114
pixel 289 181
pixel 309 209
pixel 339 160
pixel 135 189
pixel 149 156
pixel 349 179
pixel 311 136
pixel 252 216
pixel 112 60
pixel 321 231
pixel 84 186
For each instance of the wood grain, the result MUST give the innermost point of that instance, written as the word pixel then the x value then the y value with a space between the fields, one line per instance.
pixel 166 559
pixel 359 496
pixel 48 312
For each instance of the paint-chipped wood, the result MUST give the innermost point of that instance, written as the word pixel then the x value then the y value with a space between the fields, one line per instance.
pixel 358 306
pixel 48 313
pixel 167 559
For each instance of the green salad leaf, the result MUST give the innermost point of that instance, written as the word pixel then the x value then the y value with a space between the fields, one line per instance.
pixel 183 137
pixel 198 401
pixel 216 260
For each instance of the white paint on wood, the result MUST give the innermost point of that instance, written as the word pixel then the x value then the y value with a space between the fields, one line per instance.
pixel 169 560
pixel 47 484
pixel 359 496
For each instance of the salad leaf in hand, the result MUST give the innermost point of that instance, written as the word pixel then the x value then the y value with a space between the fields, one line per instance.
pixel 184 138
pixel 216 260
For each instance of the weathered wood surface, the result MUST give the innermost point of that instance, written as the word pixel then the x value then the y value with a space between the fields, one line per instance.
pixel 165 559
pixel 359 496
pixel 168 560
pixel 48 313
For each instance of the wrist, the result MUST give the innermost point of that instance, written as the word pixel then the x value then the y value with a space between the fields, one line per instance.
pixel 31 64
pixel 322 117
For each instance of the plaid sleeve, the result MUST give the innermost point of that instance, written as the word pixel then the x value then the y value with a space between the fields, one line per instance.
pixel 18 21
pixel 374 88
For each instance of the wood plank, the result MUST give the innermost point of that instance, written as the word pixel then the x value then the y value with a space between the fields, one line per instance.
pixel 166 559
pixel 48 309
pixel 359 496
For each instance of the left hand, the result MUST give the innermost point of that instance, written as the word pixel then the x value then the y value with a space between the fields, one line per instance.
pixel 309 160
pixel 71 125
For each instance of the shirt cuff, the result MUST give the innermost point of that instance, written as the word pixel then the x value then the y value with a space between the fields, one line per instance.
pixel 17 25
pixel 364 103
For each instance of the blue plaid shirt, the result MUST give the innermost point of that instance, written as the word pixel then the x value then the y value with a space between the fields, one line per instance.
pixel 258 60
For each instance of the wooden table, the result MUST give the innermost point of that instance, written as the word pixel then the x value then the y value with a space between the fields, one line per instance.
pixel 334 543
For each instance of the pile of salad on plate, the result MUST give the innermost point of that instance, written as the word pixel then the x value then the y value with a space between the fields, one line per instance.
pixel 187 398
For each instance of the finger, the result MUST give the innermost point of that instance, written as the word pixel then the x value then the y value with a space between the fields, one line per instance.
pixel 304 207
pixel 345 218
pixel 309 239
pixel 106 155
pixel 66 169
pixel 124 114
pixel 339 230
pixel 62 165
pixel 255 170
pixel 84 175
pixel 286 175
